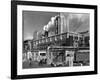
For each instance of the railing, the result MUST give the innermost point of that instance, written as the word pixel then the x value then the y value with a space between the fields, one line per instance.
pixel 57 37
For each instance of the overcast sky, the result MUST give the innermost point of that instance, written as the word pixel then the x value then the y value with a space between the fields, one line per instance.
pixel 35 20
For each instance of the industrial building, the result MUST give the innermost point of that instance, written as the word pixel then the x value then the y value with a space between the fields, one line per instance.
pixel 58 45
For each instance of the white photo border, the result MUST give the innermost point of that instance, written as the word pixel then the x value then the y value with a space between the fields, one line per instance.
pixel 21 71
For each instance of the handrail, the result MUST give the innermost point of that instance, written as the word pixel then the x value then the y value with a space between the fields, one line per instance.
pixel 59 35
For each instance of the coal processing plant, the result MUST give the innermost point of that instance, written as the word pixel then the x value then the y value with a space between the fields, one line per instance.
pixel 63 41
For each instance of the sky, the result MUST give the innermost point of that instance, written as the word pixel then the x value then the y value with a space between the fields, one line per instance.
pixel 35 21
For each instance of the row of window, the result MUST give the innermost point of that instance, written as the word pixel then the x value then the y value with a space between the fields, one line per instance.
pixel 55 38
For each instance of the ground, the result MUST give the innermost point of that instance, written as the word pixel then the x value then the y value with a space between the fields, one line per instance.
pixel 35 64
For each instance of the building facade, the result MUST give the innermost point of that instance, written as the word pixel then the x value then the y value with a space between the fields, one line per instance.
pixel 60 45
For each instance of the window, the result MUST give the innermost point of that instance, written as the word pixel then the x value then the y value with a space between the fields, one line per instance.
pixel 43 54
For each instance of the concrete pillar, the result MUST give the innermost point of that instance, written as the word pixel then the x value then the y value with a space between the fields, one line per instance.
pixel 70 58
